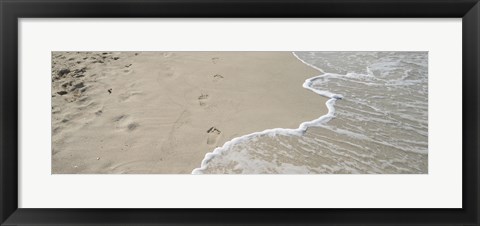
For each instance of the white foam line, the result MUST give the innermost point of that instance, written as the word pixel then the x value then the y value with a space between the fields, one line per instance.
pixel 282 131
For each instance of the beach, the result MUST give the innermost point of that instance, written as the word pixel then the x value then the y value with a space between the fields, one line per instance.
pixel 377 121
pixel 162 112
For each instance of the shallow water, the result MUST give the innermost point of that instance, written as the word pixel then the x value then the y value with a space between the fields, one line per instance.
pixel 378 121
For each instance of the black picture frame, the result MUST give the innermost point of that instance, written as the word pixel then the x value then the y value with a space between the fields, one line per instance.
pixel 12 10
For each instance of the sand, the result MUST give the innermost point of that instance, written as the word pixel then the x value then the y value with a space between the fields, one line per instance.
pixel 161 112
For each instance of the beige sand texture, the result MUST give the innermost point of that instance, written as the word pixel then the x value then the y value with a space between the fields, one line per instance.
pixel 161 112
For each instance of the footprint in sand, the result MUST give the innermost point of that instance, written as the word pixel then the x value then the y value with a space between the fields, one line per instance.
pixel 202 99
pixel 99 112
pixel 132 126
pixel 127 68
pixel 215 60
pixel 124 121
pixel 217 77
pixel 213 135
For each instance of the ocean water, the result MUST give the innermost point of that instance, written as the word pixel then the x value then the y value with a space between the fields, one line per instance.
pixel 377 122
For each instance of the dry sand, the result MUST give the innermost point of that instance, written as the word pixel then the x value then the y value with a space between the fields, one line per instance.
pixel 161 112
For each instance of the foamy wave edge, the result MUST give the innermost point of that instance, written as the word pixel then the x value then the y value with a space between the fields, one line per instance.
pixel 282 131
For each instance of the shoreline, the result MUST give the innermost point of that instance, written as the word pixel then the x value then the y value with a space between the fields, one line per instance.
pixel 166 111
pixel 302 128
pixel 353 143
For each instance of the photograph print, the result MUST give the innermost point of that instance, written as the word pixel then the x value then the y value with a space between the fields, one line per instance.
pixel 235 112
